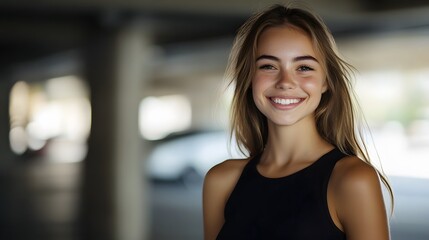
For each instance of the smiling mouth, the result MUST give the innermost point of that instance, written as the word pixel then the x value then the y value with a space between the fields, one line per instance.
pixel 286 101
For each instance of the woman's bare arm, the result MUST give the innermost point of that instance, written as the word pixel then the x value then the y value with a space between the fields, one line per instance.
pixel 218 185
pixel 359 201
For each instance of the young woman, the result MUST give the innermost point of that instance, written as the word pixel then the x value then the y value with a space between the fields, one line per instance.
pixel 307 175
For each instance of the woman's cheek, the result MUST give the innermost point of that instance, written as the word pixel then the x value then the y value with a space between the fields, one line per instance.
pixel 312 84
pixel 259 81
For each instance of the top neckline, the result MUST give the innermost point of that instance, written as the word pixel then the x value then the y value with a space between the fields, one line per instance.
pixel 300 171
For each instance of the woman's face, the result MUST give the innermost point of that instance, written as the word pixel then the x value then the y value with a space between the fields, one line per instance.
pixel 289 80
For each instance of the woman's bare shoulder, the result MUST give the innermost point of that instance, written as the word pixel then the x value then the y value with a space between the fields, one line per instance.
pixel 229 170
pixel 352 171
pixel 221 178
pixel 359 200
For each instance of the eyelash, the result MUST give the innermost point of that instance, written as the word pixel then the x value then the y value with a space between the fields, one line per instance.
pixel 302 68
pixel 267 67
pixel 305 68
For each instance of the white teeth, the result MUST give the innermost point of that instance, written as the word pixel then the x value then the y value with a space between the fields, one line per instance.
pixel 284 101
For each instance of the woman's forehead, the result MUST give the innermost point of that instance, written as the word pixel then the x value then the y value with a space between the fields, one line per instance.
pixel 285 39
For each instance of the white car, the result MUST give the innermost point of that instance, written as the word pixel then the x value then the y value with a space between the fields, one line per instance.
pixel 190 156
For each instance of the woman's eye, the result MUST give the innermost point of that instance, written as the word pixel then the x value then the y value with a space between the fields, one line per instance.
pixel 304 68
pixel 267 67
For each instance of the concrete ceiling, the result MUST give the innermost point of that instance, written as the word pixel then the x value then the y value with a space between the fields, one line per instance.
pixel 32 30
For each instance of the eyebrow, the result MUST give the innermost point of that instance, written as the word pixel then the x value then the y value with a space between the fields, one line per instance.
pixel 295 59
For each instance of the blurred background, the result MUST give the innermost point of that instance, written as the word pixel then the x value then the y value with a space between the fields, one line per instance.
pixel 112 111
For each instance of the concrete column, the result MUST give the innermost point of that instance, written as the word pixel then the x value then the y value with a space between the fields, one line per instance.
pixel 134 48
pixel 115 199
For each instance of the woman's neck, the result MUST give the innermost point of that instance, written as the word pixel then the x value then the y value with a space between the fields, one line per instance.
pixel 298 142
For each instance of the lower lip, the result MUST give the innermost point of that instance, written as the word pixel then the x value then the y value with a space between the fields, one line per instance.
pixel 285 107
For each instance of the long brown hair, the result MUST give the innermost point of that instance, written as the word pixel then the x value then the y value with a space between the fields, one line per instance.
pixel 337 112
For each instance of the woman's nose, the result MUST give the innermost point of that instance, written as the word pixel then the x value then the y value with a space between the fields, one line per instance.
pixel 285 81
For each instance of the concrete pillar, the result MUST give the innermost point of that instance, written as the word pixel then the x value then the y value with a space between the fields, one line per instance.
pixel 134 56
pixel 115 198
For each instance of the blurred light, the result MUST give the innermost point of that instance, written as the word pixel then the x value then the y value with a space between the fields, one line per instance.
pixel 18 113
pixel 385 86
pixel 47 122
pixel 422 77
pixel 66 87
pixel 18 140
pixel 54 114
pixel 396 104
pixel 34 144
pixel 66 151
pixel 77 119
pixel 160 116
pixel 19 103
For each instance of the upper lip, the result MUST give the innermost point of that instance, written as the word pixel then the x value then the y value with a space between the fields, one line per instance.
pixel 285 97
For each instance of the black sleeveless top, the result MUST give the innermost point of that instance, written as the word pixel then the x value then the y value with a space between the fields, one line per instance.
pixel 293 207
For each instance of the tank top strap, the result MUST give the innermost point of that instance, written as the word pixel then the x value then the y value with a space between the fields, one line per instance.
pixel 329 160
pixel 251 164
